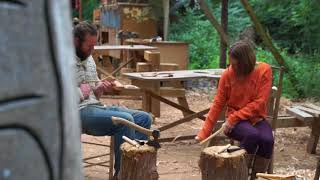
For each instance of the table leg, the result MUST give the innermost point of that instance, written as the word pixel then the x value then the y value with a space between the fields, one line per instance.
pixel 149 104
pixel 314 136
pixel 181 100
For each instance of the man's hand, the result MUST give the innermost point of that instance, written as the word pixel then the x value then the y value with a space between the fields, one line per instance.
pixel 102 87
pixel 117 86
pixel 85 90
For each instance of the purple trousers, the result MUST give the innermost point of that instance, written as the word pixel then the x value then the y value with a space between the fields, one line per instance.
pixel 254 139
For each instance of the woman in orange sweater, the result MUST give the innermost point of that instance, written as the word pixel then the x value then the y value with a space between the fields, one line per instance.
pixel 244 89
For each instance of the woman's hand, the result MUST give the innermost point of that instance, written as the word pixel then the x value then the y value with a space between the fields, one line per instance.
pixel 227 128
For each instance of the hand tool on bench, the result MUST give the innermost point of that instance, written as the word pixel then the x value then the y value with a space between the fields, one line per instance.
pixel 153 133
pixel 224 149
pixel 233 149
pixel 214 134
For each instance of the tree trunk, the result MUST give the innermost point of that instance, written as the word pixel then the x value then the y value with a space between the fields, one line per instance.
pixel 224 24
pixel 138 162
pixel 250 35
pixel 214 21
pixel 231 166
pixel 268 42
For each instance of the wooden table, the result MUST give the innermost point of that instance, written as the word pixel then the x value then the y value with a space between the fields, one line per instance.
pixel 307 115
pixel 131 53
pixel 149 83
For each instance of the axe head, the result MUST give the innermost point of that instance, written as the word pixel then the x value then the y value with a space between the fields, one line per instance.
pixel 155 134
pixel 154 144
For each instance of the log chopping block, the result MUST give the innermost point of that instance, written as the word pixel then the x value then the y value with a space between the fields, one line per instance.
pixel 216 163
pixel 138 162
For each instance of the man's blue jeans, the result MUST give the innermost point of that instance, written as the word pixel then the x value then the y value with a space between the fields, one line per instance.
pixel 96 121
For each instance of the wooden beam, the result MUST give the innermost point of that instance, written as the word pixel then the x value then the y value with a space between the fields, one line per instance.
pixel 301 115
pixel 286 122
pixel 121 66
pixel 214 22
pixel 268 42
pixel 185 119
pixel 175 105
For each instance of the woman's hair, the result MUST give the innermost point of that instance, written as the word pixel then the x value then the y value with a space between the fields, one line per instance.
pixel 244 55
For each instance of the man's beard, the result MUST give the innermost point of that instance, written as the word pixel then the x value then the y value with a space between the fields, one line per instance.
pixel 80 54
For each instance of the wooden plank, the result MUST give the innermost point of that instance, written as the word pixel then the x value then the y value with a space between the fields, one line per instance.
pixel 309 110
pixel 299 114
pixel 154 58
pixel 312 106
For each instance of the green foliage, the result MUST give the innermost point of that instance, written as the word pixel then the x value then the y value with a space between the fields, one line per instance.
pixel 205 42
pixel 288 19
pixel 87 8
pixel 203 49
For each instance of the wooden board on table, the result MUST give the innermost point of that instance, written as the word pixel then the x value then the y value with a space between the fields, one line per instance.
pixel 174 75
pixel 312 106
pixel 313 112
pixel 123 47
pixel 301 115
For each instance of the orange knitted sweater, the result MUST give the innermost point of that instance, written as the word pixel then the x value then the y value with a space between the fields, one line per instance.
pixel 245 98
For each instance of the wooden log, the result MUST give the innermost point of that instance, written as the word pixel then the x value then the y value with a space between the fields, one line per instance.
pixel 138 162
pixel 231 166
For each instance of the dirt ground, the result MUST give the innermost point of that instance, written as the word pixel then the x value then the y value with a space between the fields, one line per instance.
pixel 179 160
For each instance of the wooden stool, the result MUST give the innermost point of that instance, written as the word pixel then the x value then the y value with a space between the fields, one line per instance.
pixel 138 162
pixel 218 165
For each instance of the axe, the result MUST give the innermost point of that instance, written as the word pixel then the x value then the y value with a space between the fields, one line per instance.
pixel 154 133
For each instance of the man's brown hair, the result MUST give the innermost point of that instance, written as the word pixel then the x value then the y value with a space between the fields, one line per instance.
pixel 243 53
pixel 82 28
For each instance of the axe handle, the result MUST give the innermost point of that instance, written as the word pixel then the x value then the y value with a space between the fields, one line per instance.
pixel 213 135
pixel 117 120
